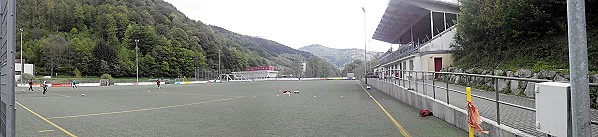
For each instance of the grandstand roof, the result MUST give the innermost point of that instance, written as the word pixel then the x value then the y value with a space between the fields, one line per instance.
pixel 407 19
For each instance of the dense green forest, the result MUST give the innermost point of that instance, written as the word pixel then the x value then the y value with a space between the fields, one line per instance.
pixel 514 34
pixel 358 67
pixel 94 37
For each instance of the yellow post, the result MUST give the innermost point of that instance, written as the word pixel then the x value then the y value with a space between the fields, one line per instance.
pixel 468 94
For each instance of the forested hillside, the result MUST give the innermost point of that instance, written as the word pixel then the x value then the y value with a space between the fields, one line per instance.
pixel 285 59
pixel 338 57
pixel 94 37
pixel 358 68
pixel 514 34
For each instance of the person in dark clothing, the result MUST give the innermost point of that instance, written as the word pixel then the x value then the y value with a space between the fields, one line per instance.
pixel 30 84
pixel 45 89
pixel 158 82
pixel 74 84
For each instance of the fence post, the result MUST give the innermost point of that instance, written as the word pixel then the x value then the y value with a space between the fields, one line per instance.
pixel 403 79
pixel 416 82
pixel 424 83
pixel 496 100
pixel 399 77
pixel 410 78
pixel 467 84
pixel 434 85
pixel 395 76
pixel 447 91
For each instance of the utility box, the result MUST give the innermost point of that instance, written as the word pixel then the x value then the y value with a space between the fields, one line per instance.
pixel 553 109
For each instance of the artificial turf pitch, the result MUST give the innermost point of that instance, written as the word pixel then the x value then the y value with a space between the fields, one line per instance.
pixel 322 108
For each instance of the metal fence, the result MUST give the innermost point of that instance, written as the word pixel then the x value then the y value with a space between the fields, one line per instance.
pixel 413 80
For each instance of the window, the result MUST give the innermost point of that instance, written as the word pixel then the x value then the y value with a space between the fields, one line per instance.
pixel 411 64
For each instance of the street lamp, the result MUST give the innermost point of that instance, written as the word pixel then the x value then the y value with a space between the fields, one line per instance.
pixel 219 62
pixel 137 61
pixel 22 64
pixel 365 43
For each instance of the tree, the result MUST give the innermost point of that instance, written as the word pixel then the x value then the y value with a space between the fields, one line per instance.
pixel 84 59
pixel 493 33
pixel 148 66
pixel 317 67
pixel 104 51
pixel 351 67
pixel 54 52
pixel 97 37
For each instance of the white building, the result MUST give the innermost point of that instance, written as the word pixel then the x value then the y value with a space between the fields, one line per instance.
pixel 424 29
pixel 29 68
pixel 303 66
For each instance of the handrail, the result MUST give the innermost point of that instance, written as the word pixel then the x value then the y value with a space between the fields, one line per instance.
pixel 407 76
pixel 484 98
pixel 487 76
pixel 479 75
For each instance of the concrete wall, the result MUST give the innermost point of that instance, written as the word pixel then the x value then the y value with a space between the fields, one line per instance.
pixel 440 42
pixel 442 110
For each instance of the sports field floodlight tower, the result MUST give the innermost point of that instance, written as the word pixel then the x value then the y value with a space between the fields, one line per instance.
pixel 365 46
pixel 21 60
pixel 136 60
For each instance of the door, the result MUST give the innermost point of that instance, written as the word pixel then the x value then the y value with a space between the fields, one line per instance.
pixel 437 65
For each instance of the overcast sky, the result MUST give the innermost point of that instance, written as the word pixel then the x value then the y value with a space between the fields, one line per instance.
pixel 294 23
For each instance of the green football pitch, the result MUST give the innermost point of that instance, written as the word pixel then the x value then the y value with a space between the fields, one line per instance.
pixel 322 108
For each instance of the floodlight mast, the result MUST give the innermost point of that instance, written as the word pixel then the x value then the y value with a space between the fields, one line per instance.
pixel 137 61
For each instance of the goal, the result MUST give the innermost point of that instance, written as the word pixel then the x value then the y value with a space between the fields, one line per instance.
pixel 166 81
pixel 105 82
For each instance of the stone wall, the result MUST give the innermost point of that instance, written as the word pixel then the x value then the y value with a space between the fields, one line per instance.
pixel 515 87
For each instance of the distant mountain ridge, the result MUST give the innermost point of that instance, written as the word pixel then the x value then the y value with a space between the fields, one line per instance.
pixel 264 47
pixel 338 57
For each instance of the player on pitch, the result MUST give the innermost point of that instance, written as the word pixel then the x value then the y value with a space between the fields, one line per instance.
pixel 158 83
pixel 45 86
pixel 74 84
pixel 30 84
pixel 42 85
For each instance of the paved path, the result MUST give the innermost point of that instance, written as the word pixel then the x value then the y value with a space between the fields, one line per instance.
pixel 517 118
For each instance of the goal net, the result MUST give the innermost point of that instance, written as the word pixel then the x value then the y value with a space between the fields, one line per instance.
pixel 105 82
pixel 166 81
pixel 179 80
